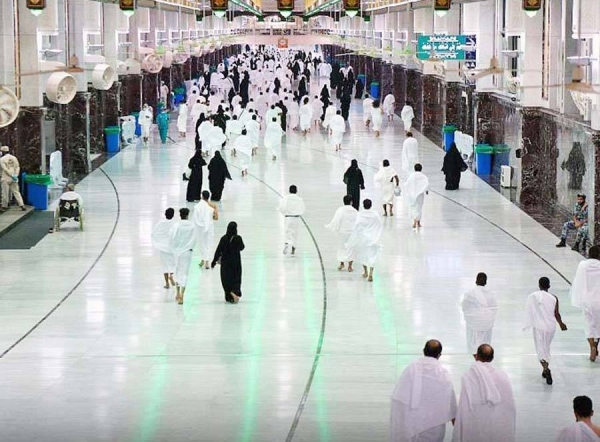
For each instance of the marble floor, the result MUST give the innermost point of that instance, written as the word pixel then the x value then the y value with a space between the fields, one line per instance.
pixel 94 349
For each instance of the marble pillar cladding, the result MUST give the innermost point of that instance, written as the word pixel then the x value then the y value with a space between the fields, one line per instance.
pixel 540 154
pixel 453 105
pixel 24 138
pixel 368 71
pixel 70 131
pixel 165 75
pixel 104 112
pixel 150 84
pixel 387 79
pixel 130 93
pixel 187 69
pixel 596 202
pixel 377 70
pixel 195 66
pixel 399 86
pixel 433 109
pixel 177 75
pixel 414 88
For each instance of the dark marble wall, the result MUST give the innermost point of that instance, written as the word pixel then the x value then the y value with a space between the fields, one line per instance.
pixel 130 93
pixel 104 112
pixel 414 94
pixel 150 89
pixel 399 85
pixel 70 129
pixel 24 138
pixel 387 79
pixel 432 110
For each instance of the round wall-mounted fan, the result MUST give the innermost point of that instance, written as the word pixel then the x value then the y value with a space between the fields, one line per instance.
pixel 61 88
pixel 152 63
pixel 103 77
pixel 9 106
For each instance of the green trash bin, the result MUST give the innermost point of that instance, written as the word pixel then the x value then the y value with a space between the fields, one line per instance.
pixel 113 139
pixel 483 155
pixel 448 135
pixel 37 190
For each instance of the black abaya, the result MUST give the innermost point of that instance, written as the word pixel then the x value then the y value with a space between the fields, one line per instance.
pixel 194 187
pixel 228 251
pixel 354 182
pixel 217 174
pixel 360 87
pixel 453 167
pixel 345 105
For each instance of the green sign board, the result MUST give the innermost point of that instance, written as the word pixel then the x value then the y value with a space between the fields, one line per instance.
pixel 444 47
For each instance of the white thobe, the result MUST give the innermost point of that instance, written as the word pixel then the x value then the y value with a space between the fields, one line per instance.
pixel 145 121
pixel 330 112
pixel 407 114
pixel 305 116
pixel 273 135
pixel 486 409
pixel 197 110
pixel 376 118
pixel 338 127
pixel 243 146
pixel 56 169
pixel 291 207
pixel 342 224
pixel 270 114
pixel 585 294
pixel 205 228
pixel 293 115
pixel 410 155
pixel 213 102
pixel 325 70
pixel 261 105
pixel 161 240
pixel 479 309
pixel 578 432
pixel 214 139
pixel 423 402
pixel 203 131
pixel 385 176
pixel 253 129
pixel 182 118
pixel 367 107
pixel 233 130
pixel 389 104
pixel 364 239
pixel 540 309
pixel 164 94
pixel 183 240
pixel 414 189
pixel 317 109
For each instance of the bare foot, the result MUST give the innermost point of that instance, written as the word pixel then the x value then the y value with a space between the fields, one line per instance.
pixel 341 266
pixel 350 269
pixel 370 278
pixel 172 280
pixel 201 263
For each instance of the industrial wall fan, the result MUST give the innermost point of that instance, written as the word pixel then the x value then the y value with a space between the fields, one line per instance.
pixel 152 63
pixel 9 106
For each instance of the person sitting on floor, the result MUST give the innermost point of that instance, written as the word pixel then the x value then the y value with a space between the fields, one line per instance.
pixel 579 223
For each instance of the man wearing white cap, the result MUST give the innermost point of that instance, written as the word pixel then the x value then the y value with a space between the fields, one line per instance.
pixel 423 401
pixel 9 178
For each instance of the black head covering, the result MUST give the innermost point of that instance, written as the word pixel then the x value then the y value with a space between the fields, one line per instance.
pixel 231 229
pixel 354 164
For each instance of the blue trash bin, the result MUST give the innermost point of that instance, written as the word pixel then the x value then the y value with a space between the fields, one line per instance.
pixel 501 155
pixel 37 190
pixel 112 134
pixel 363 78
pixel 138 128
pixel 448 135
pixel 374 92
pixel 483 158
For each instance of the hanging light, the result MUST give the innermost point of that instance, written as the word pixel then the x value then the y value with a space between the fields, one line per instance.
pixel 36 7
pixel 219 7
pixel 531 7
pixel 220 14
pixel 441 7
pixel 351 7
pixel 285 7
pixel 127 7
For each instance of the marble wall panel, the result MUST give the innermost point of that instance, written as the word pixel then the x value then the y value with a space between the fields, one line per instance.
pixel 104 112
pixel 414 94
pixel 150 89
pixel 432 109
pixel 195 66
pixel 387 79
pixel 177 75
pixel 131 93
pixel 377 70
pixel 24 138
pixel 399 86
pixel 187 69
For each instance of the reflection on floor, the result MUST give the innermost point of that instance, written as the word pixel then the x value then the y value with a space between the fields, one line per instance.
pixel 117 359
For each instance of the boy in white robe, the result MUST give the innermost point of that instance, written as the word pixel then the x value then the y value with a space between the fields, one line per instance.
pixel 479 309
pixel 389 180
pixel 376 117
pixel 183 240
pixel 342 224
pixel 542 315
pixel 161 237
pixel 486 409
pixel 583 430
pixel 337 125
pixel 585 294
pixel 364 239
pixel 145 121
pixel 292 208
pixel 253 129
pixel 410 154
pixel 317 107
pixel 330 112
pixel 306 112
pixel 367 107
pixel 273 135
pixel 423 401
pixel 389 106
pixel 415 189
pixel 204 217
pixel 243 145
pixel 182 120
pixel 407 114
pixel 233 129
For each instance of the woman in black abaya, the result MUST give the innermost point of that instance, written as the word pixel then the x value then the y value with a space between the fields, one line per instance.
pixel 325 99
pixel 360 87
pixel 197 142
pixel 345 104
pixel 353 178
pixel 194 187
pixel 453 167
pixel 228 254
pixel 217 174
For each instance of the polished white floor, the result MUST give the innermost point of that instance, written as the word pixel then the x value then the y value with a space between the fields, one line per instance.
pixel 119 360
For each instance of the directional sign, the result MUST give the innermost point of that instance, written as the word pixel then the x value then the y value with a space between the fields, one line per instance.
pixel 444 47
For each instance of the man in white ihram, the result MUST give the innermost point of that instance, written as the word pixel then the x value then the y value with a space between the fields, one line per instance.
pixel 423 401
pixel 583 430
pixel 204 216
pixel 337 125
pixel 161 240
pixel 364 239
pixel 415 189
pixel 410 153
pixel 479 310
pixel 542 315
pixel 585 294
pixel 292 208
pixel 342 224
pixel 407 114
pixel 183 240
pixel 486 409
